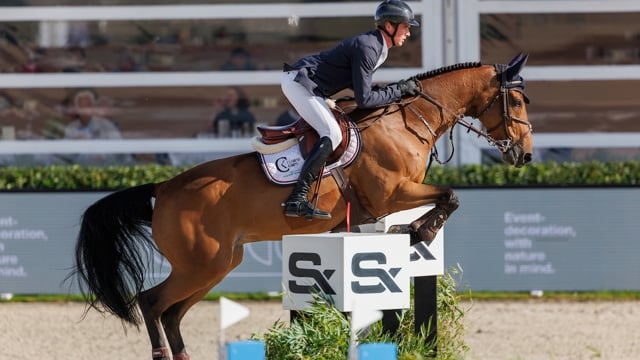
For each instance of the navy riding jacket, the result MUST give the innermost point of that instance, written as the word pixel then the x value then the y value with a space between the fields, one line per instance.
pixel 349 65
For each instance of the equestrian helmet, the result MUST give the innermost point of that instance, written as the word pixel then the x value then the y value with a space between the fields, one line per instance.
pixel 396 12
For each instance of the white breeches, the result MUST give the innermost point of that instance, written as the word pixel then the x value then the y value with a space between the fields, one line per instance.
pixel 312 108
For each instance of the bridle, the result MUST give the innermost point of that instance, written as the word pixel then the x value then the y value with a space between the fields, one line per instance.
pixel 505 145
pixel 506 86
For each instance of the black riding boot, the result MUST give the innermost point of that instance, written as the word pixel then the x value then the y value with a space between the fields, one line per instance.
pixel 298 202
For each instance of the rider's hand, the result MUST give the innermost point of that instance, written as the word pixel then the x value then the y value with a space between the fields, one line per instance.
pixel 408 87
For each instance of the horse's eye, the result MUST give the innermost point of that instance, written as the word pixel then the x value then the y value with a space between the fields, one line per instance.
pixel 516 103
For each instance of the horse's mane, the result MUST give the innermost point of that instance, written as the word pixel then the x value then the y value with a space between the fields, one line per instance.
pixel 447 69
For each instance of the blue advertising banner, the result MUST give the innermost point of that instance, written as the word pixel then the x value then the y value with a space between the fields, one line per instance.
pixel 546 239
pixel 37 240
pixel 572 239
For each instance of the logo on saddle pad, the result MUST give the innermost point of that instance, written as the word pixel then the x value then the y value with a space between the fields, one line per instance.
pixel 282 162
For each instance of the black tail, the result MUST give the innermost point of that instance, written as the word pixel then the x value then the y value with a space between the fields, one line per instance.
pixel 109 265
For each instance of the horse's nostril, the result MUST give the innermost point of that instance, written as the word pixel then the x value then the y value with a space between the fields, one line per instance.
pixel 528 157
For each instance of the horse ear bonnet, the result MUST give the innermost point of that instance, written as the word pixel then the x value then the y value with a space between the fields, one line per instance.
pixel 512 72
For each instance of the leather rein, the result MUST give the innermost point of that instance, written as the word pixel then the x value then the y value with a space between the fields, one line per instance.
pixel 502 145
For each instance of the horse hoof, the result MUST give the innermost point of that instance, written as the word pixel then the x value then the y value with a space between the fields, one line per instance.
pixel 429 229
pixel 399 229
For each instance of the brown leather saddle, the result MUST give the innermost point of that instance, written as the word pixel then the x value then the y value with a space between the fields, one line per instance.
pixel 306 135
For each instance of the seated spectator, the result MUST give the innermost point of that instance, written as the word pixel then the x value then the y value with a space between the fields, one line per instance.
pixel 235 119
pixel 87 122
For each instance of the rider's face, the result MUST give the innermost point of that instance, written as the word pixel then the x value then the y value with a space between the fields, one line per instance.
pixel 402 33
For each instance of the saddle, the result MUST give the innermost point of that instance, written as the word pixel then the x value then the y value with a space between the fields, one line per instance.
pixel 301 133
pixel 282 149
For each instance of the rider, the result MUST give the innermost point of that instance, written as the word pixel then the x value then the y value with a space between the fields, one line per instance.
pixel 350 64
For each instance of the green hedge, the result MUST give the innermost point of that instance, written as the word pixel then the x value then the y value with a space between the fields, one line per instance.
pixel 539 174
pixel 76 177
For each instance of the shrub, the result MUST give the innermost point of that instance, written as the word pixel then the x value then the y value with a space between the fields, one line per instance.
pixel 323 332
pixel 76 177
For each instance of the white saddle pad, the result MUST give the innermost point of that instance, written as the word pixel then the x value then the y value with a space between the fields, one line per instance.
pixel 283 167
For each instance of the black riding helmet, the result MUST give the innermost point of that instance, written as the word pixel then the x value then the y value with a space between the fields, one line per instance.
pixel 396 12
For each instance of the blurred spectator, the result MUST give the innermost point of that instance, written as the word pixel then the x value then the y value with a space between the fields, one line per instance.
pixel 287 117
pixel 88 122
pixel 239 59
pixel 235 119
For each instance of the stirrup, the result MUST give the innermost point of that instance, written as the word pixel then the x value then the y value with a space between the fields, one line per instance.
pixel 306 209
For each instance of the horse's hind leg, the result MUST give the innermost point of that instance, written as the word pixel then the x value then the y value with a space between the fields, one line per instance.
pixel 155 301
pixel 151 310
pixel 172 317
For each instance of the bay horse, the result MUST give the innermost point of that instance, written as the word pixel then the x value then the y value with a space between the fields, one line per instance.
pixel 200 219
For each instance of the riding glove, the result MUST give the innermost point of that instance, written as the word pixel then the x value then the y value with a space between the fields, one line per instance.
pixel 408 87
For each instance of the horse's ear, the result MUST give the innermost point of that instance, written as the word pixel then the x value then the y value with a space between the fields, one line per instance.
pixel 516 65
pixel 517 58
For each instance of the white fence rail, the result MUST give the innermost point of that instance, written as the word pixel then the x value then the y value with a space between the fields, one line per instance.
pixel 462 44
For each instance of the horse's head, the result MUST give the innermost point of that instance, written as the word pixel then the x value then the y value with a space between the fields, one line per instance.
pixel 507 124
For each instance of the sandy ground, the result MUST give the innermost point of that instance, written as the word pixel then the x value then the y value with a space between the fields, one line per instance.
pixel 535 329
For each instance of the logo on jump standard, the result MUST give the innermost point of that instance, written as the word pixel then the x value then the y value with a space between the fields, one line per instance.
pixel 321 275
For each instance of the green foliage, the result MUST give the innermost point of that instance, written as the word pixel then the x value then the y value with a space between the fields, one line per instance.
pixel 538 174
pixel 322 332
pixel 76 177
pixel 450 316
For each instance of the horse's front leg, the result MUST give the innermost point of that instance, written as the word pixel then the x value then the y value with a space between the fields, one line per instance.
pixel 427 226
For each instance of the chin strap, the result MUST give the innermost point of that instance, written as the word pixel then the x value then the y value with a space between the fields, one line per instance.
pixel 392 36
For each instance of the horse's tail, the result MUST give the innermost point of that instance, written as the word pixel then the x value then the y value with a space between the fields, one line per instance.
pixel 110 265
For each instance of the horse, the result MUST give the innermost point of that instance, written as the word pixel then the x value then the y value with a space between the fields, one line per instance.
pixel 200 219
